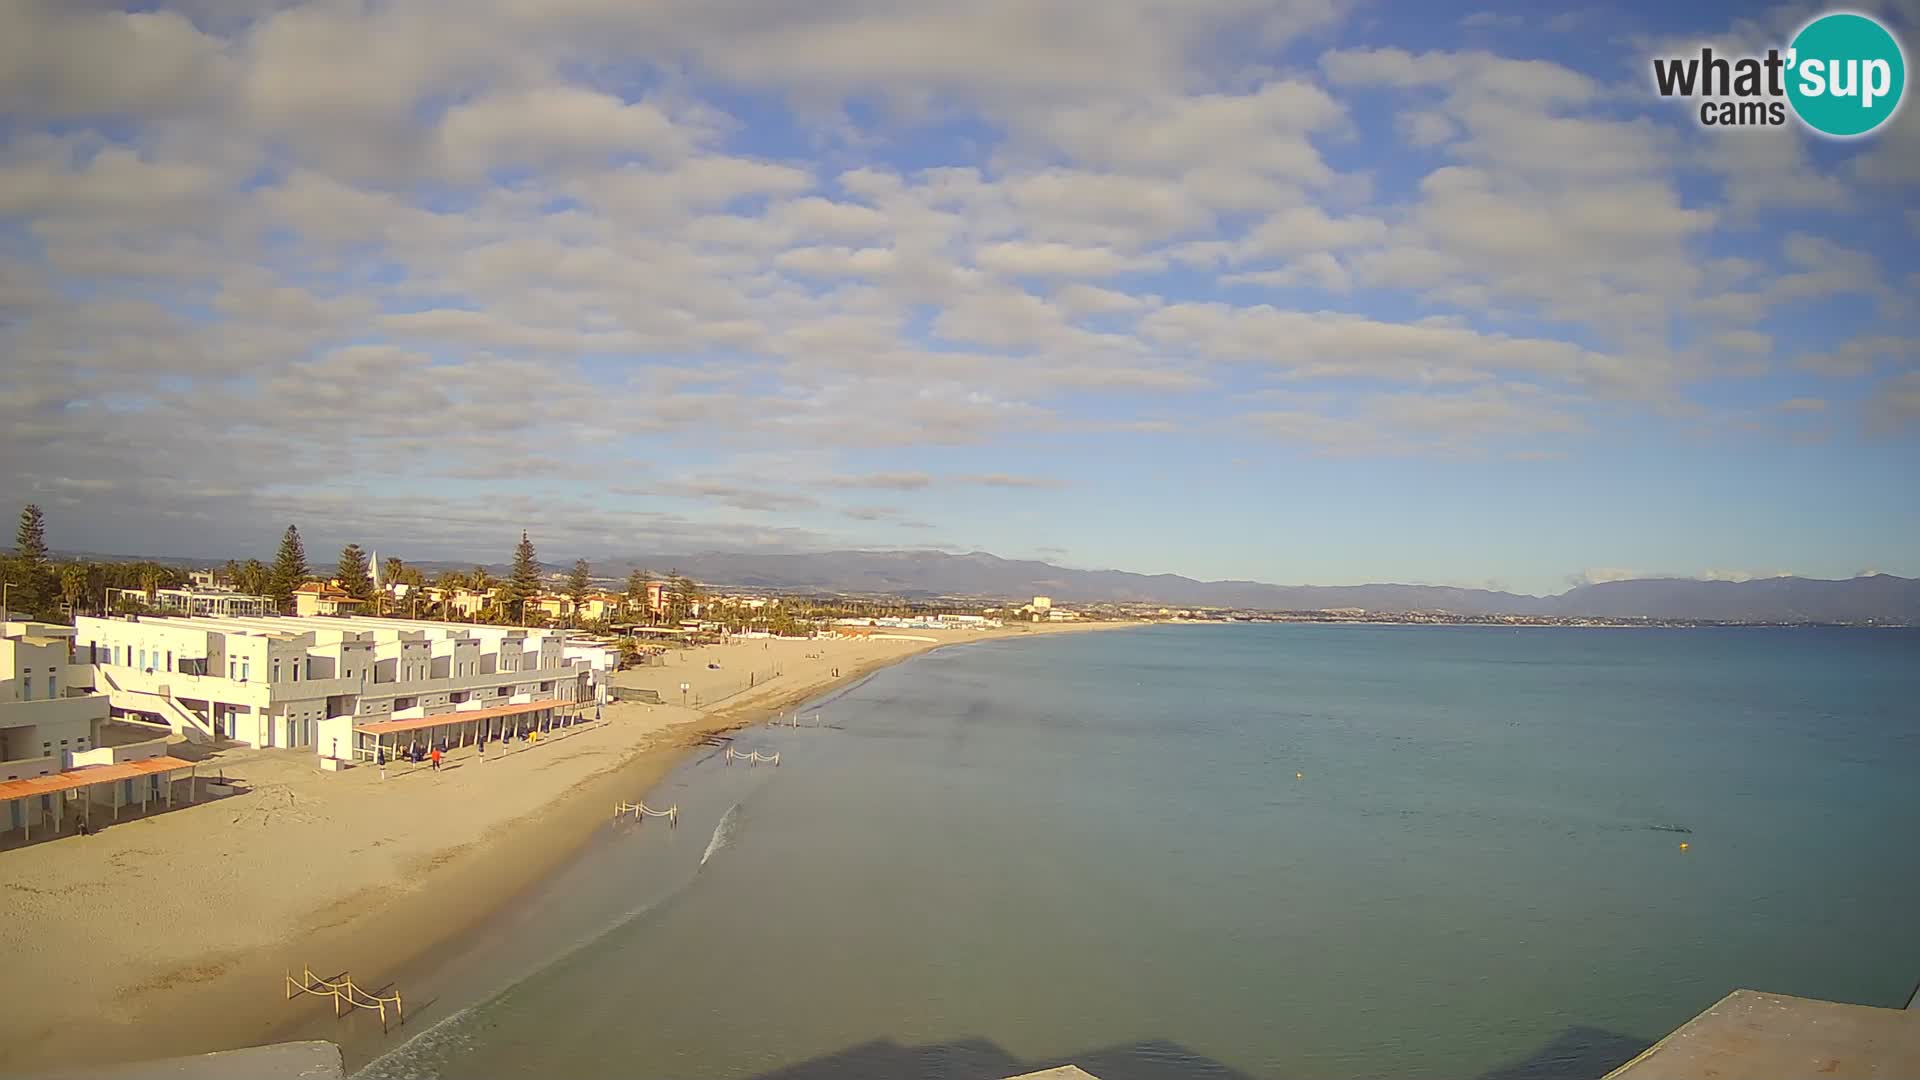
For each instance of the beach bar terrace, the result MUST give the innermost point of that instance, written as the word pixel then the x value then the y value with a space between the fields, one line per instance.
pixel 463 727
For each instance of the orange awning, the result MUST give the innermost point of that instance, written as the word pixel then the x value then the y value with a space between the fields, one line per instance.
pixel 87 776
pixel 388 727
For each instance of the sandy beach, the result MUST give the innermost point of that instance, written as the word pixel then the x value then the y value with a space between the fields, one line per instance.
pixel 170 934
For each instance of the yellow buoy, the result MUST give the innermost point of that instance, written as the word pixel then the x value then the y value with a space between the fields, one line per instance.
pixel 1683 845
pixel 1299 776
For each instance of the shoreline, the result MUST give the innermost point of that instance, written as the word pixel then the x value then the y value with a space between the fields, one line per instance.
pixel 380 914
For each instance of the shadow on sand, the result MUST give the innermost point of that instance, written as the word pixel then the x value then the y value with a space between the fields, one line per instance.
pixel 1578 1053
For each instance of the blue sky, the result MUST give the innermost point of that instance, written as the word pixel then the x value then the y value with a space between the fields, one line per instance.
pixel 1295 291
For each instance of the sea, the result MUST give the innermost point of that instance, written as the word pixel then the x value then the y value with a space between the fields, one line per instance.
pixel 1235 851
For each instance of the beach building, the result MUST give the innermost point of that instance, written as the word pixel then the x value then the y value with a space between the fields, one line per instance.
pixel 312 682
pixel 200 599
pixel 53 768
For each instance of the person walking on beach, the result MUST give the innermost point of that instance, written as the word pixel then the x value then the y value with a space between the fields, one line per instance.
pixel 483 750
pixel 436 759
pixel 380 759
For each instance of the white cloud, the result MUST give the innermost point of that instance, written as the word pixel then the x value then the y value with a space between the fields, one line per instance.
pixel 1026 259
pixel 455 230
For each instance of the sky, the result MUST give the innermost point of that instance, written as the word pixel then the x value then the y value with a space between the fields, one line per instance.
pixel 1295 291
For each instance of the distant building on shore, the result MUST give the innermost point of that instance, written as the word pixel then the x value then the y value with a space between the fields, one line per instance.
pixel 322 598
pixel 199 599
pixel 309 682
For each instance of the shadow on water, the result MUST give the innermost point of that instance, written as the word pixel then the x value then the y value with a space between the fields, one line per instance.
pixel 1578 1053
pixel 982 1059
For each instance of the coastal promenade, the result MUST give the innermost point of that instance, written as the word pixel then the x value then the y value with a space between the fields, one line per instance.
pixel 186 923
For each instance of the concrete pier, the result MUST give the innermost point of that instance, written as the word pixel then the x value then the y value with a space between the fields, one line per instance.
pixel 1750 1034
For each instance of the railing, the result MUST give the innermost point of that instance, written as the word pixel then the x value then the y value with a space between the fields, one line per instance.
pixel 641 810
pixel 345 995
pixel 752 758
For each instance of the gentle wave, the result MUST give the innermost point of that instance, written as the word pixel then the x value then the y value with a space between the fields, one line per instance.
pixel 722 833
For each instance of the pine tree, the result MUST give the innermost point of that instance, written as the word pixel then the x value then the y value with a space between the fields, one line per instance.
pixel 579 584
pixel 524 583
pixel 30 541
pixel 354 574
pixel 34 586
pixel 289 569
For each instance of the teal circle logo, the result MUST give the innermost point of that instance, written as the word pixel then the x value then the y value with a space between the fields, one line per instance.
pixel 1846 74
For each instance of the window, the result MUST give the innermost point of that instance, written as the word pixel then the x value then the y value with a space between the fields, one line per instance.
pixel 51 692
pixel 246 669
pixel 143 659
pixel 169 659
pixel 276 669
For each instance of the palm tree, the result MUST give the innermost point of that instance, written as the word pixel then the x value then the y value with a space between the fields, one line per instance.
pixel 152 576
pixel 74 580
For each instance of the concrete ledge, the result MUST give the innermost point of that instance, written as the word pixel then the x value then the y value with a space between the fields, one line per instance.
pixel 1776 1037
pixel 1063 1072
pixel 282 1061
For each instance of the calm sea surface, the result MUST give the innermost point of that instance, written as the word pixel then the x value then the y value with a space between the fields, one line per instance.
pixel 1244 851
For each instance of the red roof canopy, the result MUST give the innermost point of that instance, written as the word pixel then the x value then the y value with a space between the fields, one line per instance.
pixel 87 776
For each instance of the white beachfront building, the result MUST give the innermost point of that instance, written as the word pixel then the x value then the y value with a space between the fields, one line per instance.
pixel 52 763
pixel 323 682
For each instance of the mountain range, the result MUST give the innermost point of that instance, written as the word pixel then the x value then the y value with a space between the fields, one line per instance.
pixel 1877 598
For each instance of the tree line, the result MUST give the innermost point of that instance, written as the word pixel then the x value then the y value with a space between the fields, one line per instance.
pixel 39 587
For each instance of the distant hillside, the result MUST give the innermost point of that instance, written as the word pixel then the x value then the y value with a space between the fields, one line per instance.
pixel 1878 598
pixel 1881 598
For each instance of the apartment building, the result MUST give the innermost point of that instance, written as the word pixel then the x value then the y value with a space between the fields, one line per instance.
pixel 307 682
pixel 53 765
pixel 43 722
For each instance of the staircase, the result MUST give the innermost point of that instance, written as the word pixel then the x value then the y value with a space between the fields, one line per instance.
pixel 184 721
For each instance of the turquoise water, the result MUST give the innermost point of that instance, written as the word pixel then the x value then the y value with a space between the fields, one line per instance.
pixel 1238 851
